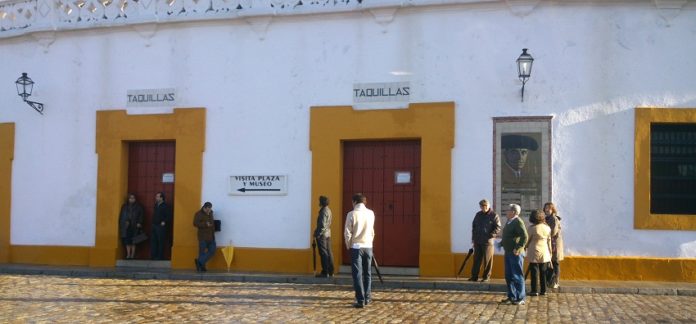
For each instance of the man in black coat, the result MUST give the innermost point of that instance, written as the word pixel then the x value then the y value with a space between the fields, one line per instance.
pixel 161 218
pixel 484 229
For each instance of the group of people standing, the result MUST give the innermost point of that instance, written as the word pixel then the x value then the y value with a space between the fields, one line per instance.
pixel 541 242
pixel 131 226
pixel 358 234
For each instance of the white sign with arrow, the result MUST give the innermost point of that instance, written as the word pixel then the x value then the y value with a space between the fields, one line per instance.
pixel 258 185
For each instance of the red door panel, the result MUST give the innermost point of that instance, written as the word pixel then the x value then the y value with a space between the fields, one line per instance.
pixel 369 168
pixel 147 162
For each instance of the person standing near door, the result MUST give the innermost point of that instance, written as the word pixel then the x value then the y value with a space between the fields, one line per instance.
pixel 130 222
pixel 359 234
pixel 484 229
pixel 322 235
pixel 204 221
pixel 161 218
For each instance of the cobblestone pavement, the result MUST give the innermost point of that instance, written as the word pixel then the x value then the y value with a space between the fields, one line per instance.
pixel 37 299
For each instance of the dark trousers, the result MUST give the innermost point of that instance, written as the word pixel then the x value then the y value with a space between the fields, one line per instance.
pixel 514 277
pixel 361 261
pixel 538 272
pixel 327 265
pixel 556 271
pixel 157 242
pixel 206 251
pixel 483 253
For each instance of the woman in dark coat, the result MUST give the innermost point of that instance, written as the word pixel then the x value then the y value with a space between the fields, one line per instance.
pixel 130 223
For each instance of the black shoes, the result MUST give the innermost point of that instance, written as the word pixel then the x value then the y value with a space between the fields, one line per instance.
pixel 473 279
pixel 199 266
pixel 362 304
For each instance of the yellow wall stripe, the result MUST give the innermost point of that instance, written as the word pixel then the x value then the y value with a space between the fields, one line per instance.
pixel 295 261
pixel 48 254
pixel 7 134
pixel 607 268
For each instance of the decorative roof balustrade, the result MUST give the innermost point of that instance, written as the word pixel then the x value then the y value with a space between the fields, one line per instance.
pixel 18 17
pixel 25 16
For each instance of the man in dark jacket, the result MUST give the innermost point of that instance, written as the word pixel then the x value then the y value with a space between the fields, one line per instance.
pixel 484 229
pixel 322 235
pixel 161 218
pixel 205 223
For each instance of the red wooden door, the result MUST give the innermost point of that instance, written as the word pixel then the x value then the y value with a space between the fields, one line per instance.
pixel 388 174
pixel 147 163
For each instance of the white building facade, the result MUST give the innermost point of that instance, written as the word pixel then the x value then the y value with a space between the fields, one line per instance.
pixel 266 88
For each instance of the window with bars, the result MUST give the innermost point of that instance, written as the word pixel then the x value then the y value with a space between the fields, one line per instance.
pixel 673 168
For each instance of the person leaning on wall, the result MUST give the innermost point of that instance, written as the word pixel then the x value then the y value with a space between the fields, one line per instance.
pixel 538 250
pixel 554 222
pixel 130 221
pixel 204 221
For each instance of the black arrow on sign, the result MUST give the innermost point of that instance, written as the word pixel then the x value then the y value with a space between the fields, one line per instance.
pixel 245 189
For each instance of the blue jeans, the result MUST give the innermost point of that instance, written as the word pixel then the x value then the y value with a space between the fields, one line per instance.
pixel 361 261
pixel 206 250
pixel 514 276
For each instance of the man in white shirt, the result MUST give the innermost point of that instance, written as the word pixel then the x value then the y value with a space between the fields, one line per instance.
pixel 358 234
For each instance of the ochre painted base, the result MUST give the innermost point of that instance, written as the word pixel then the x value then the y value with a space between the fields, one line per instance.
pixel 605 268
pixel 52 255
pixel 4 253
pixel 296 260
pixel 104 257
pixel 444 262
pixel 256 260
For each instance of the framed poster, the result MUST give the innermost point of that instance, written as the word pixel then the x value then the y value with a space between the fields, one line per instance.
pixel 521 162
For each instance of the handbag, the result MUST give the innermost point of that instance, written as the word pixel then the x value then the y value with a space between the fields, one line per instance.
pixel 139 238
pixel 218 225
pixel 550 275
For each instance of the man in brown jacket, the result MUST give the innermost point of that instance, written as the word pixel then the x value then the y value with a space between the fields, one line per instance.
pixel 484 229
pixel 205 223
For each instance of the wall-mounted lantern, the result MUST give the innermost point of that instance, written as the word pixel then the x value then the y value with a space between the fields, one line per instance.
pixel 524 67
pixel 24 87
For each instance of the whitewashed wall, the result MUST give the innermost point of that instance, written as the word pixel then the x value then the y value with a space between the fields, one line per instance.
pixel 593 65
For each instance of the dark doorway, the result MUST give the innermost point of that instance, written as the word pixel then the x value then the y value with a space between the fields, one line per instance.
pixel 151 170
pixel 388 174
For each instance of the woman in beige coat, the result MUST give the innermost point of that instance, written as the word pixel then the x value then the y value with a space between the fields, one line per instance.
pixel 554 222
pixel 538 250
